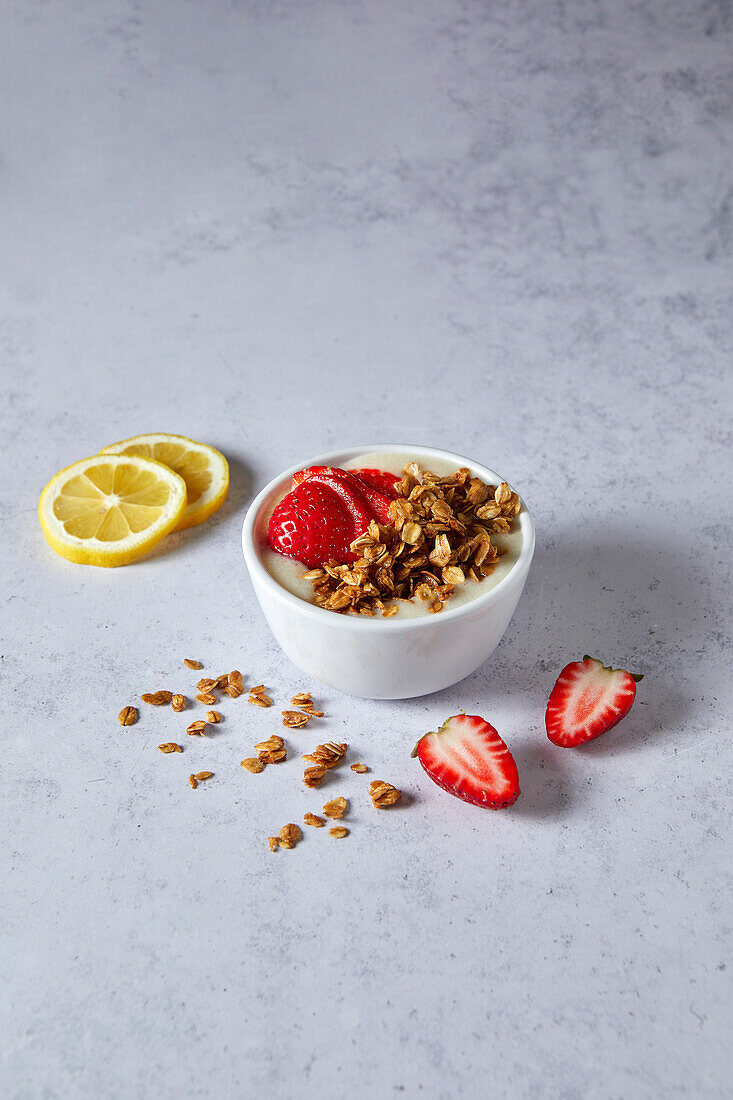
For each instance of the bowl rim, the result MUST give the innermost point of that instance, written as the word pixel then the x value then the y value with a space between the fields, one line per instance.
pixel 259 573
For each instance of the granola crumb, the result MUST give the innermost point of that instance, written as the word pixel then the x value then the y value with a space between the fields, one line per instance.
pixel 235 677
pixel 272 751
pixel 170 746
pixel 207 684
pixel 337 807
pixel 157 698
pixel 128 716
pixel 310 710
pixel 190 663
pixel 192 781
pixel 252 764
pixel 314 820
pixel 360 768
pixel 274 842
pixel 259 699
pixel 196 729
pixel 289 836
pixel 339 832
pixel 234 690
pixel 295 719
pixel 206 697
pixel 200 776
pixel 301 699
pixel 383 794
pixel 178 703
pixel 213 716
pixel 328 755
pixel 313 777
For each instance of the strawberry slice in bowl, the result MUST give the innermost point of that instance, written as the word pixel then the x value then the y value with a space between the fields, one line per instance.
pixel 318 521
pixel 377 488
pixel 587 700
pixel 468 759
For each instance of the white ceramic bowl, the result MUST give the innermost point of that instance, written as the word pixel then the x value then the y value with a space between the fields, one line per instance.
pixel 384 658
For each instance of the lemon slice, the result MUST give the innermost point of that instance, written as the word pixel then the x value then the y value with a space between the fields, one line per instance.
pixel 203 468
pixel 110 509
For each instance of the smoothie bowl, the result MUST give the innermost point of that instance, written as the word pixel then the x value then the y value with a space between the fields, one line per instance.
pixel 388 571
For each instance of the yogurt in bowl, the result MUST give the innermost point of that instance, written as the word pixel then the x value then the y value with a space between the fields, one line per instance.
pixel 413 652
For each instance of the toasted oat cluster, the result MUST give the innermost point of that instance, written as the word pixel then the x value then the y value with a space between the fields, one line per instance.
pixel 439 537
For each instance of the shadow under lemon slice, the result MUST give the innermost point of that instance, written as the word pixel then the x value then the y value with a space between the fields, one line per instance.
pixel 203 468
pixel 110 509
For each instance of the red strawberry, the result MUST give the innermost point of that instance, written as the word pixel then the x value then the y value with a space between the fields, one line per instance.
pixel 467 758
pixel 376 487
pixel 379 489
pixel 302 475
pixel 380 480
pixel 317 521
pixel 587 700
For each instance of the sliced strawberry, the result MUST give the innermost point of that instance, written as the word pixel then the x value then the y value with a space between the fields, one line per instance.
pixel 587 700
pixel 375 487
pixel 302 475
pixel 467 758
pixel 317 521
pixel 380 480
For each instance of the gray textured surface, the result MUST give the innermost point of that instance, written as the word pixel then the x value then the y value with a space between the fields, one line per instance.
pixel 505 229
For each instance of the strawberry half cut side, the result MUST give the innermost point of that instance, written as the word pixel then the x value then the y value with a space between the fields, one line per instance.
pixel 588 699
pixel 317 522
pixel 468 759
pixel 375 487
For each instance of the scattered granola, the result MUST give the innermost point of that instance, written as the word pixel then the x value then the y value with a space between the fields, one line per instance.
pixel 170 746
pixel 258 696
pixel 189 663
pixel 206 697
pixel 178 703
pixel 439 536
pixel 360 768
pixel 383 794
pixel 328 755
pixel 337 807
pixel 157 698
pixel 313 777
pixel 221 681
pixel 272 751
pixel 311 711
pixel 234 690
pixel 295 719
pixel 234 677
pixel 213 716
pixel 314 820
pixel 289 836
pixel 207 684
pixel 196 729
pixel 274 842
pixel 200 776
pixel 339 832
pixel 301 699
pixel 128 716
pixel 252 764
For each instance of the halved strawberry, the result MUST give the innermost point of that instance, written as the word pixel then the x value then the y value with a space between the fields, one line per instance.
pixel 380 480
pixel 467 758
pixel 376 487
pixel 317 521
pixel 587 700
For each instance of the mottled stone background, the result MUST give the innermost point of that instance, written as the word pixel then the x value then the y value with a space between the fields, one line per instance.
pixel 504 228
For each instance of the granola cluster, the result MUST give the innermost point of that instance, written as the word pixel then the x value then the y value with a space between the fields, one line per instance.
pixel 439 537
